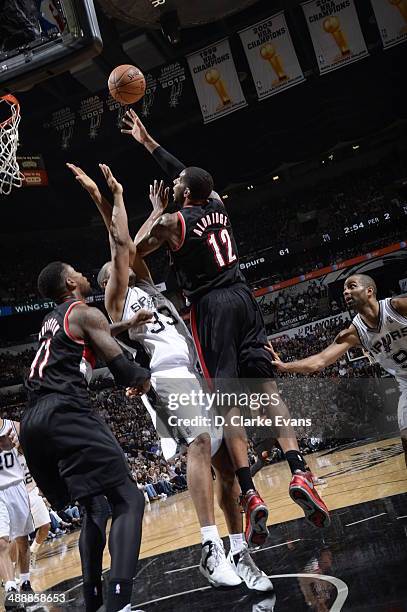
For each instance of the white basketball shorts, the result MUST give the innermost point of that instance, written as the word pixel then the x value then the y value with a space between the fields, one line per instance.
pixel 15 513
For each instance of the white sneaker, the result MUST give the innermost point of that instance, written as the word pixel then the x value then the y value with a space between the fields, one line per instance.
pixel 163 496
pixel 215 567
pixel 248 571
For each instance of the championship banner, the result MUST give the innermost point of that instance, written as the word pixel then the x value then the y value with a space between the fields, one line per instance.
pixel 216 81
pixel 391 17
pixel 271 56
pixel 335 32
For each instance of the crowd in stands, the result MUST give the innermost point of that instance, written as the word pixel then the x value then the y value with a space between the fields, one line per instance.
pixel 329 207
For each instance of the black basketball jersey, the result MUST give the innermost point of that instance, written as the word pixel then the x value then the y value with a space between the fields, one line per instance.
pixel 207 255
pixel 63 363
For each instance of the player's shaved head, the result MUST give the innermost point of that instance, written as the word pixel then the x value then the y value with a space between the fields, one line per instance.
pixel 104 274
pixel 52 280
pixel 198 181
pixel 365 280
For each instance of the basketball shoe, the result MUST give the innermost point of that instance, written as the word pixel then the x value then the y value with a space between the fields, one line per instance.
pixel 303 492
pixel 248 571
pixel 256 518
pixel 215 567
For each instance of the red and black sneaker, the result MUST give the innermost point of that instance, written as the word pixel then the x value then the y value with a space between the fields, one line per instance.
pixel 256 518
pixel 303 492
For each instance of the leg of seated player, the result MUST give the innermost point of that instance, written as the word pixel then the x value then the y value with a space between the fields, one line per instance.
pixel 127 503
pixel 40 537
pixel 92 542
pixel 227 492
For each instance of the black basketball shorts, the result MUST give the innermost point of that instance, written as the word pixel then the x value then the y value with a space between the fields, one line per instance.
pixel 70 451
pixel 229 334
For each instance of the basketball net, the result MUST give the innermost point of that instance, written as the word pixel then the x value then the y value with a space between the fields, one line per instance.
pixel 10 175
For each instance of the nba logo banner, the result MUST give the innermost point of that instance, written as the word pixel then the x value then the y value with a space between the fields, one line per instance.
pixel 216 81
pixel 391 17
pixel 271 56
pixel 335 32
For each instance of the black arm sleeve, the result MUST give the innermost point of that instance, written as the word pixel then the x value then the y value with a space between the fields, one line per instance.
pixel 170 164
pixel 127 373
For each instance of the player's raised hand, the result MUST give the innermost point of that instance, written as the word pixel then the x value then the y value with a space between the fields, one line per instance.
pixel 134 127
pixel 280 365
pixel 159 196
pixel 141 317
pixel 113 184
pixel 85 180
pixel 10 440
pixel 270 349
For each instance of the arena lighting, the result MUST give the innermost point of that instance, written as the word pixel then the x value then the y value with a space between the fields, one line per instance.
pixel 323 161
pixel 276 177
pixel 225 196
pixel 249 187
pixel 355 147
pixel 331 156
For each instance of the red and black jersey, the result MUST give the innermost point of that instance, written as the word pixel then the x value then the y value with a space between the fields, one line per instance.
pixel 207 255
pixel 63 363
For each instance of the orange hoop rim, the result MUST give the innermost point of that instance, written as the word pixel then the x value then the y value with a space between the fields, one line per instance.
pixel 12 100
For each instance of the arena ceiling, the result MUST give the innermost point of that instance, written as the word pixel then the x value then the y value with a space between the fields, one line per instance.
pixel 343 106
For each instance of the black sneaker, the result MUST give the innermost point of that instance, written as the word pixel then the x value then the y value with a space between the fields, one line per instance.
pixel 25 587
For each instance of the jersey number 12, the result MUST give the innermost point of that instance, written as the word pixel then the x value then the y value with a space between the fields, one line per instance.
pixel 224 237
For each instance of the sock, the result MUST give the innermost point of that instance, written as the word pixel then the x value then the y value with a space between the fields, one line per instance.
pixel 92 592
pixel 245 480
pixel 24 577
pixel 295 461
pixel 118 594
pixel 10 584
pixel 34 548
pixel 237 542
pixel 209 532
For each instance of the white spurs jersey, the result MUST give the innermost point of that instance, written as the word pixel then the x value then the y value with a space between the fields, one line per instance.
pixel 387 344
pixel 11 472
pixel 166 339
pixel 30 483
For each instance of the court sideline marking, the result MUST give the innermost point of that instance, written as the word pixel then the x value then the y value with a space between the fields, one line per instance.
pixel 340 585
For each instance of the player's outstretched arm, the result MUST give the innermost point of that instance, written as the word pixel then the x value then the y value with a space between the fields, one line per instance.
pixel 119 238
pixel 142 317
pixel 104 207
pixel 400 305
pixel 134 126
pixel 164 229
pixel 159 200
pixel 345 340
pixel 92 326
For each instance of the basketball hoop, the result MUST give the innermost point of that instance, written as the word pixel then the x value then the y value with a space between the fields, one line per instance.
pixel 10 175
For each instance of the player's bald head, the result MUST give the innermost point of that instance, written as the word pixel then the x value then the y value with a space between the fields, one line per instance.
pixel 364 280
pixel 104 274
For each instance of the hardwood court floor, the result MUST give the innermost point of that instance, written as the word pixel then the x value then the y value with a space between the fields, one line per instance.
pixel 353 475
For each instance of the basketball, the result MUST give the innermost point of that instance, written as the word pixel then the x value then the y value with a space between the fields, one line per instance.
pixel 127 84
